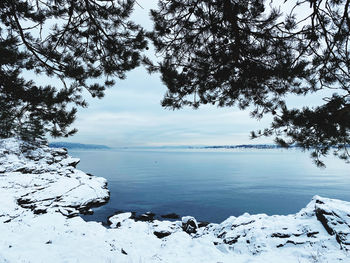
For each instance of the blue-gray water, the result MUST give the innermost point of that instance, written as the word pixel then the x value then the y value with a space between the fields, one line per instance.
pixel 212 185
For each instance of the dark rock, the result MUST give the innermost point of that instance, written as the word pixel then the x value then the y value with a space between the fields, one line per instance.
pixel 171 216
pixel 319 201
pixel 280 235
pixel 189 224
pixel 86 208
pixel 321 216
pixel 243 224
pixel 161 234
pixel 69 212
pixel 59 151
pixel 231 240
pixel 23 201
pixel 38 211
pixel 123 251
pixel 203 224
pixel 49 161
pixel 146 217
pixel 133 215
pixel 72 162
pixel 221 235
pixel 294 242
pixel 85 211
pixel 25 170
pixel 312 234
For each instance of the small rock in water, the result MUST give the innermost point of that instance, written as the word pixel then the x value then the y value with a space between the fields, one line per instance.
pixel 189 224
pixel 86 211
pixel 146 217
pixel 171 216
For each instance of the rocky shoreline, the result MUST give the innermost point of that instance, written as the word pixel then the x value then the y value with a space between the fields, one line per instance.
pixel 42 194
pixel 44 179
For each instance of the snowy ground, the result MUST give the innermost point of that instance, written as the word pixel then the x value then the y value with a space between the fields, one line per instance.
pixel 41 194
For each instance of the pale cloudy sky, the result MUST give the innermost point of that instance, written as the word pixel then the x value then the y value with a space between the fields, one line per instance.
pixel 130 114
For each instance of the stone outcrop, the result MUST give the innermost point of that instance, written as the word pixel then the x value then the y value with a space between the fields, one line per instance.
pixel 43 178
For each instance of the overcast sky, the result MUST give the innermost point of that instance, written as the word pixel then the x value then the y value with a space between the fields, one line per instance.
pixel 130 114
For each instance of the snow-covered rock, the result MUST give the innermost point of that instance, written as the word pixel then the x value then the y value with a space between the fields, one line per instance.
pixel 260 233
pixel 189 224
pixel 41 196
pixel 116 220
pixel 31 177
pixel 335 217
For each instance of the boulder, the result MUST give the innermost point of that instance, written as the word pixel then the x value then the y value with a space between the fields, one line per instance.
pixel 161 234
pixel 334 215
pixel 146 217
pixel 189 224
pixel 116 220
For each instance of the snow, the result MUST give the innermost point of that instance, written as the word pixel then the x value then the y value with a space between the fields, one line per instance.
pixel 42 193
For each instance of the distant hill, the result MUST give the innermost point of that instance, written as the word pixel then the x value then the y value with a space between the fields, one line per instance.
pixel 70 145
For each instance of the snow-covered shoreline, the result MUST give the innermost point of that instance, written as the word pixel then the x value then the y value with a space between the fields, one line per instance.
pixel 42 193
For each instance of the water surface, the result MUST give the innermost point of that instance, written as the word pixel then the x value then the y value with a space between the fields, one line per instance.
pixel 212 185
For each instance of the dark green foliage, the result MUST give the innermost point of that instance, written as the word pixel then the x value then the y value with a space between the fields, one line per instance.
pixel 224 53
pixel 234 52
pixel 76 42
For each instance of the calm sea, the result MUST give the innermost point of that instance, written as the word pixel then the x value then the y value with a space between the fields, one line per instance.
pixel 212 185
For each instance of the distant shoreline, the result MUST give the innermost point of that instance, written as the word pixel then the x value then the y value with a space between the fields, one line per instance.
pixel 70 145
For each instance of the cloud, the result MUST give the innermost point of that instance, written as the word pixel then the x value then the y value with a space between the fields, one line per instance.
pixel 146 126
